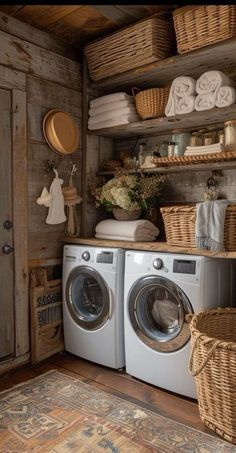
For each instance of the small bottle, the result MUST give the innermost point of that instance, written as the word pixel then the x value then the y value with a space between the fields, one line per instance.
pixel 141 154
pixel 221 136
pixel 163 149
pixel 208 138
pixel 171 149
pixel 196 139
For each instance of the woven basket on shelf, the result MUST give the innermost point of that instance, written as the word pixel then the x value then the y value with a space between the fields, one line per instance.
pixel 202 25
pixel 138 44
pixel 213 364
pixel 151 103
pixel 179 222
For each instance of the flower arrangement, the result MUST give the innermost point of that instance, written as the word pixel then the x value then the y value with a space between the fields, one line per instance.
pixel 131 192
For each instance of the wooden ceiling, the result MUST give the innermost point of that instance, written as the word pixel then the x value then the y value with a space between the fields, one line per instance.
pixel 80 24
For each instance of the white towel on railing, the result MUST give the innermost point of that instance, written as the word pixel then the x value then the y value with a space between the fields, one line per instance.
pixel 210 81
pixel 111 106
pixel 111 114
pixel 185 104
pixel 118 121
pixel 225 96
pixel 114 97
pixel 181 87
pixel 209 227
pixel 205 101
pixel 126 228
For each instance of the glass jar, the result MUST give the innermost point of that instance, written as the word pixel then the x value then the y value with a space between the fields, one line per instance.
pixel 208 138
pixel 221 137
pixel 171 149
pixel 230 135
pixel 182 140
pixel 163 150
pixel 141 154
pixel 196 139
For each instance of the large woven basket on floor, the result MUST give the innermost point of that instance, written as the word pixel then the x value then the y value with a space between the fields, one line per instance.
pixel 179 222
pixel 141 43
pixel 151 103
pixel 201 25
pixel 213 364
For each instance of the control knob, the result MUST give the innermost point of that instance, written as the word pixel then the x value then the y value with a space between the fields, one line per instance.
pixel 158 263
pixel 86 256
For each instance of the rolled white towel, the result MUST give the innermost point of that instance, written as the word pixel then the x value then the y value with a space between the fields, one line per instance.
pixel 126 228
pixel 141 238
pixel 93 111
pixel 205 101
pixel 181 86
pixel 112 114
pixel 212 80
pixel 118 121
pixel 185 104
pixel 225 96
pixel 114 97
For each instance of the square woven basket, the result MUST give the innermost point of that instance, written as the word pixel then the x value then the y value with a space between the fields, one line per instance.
pixel 200 26
pixel 179 222
pixel 141 43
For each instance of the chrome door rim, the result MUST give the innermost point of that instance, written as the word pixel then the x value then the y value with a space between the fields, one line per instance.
pixel 104 315
pixel 176 339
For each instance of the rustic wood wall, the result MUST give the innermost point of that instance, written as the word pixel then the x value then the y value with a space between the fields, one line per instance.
pixel 53 80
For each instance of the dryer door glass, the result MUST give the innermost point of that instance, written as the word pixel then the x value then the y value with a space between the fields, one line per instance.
pixel 157 310
pixel 87 298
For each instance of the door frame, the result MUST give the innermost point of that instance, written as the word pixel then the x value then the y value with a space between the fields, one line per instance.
pixel 16 82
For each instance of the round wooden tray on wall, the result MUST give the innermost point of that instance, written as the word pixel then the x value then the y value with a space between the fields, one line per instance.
pixel 60 132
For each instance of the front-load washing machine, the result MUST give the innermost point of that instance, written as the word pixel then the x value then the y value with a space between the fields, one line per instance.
pixel 93 285
pixel 160 290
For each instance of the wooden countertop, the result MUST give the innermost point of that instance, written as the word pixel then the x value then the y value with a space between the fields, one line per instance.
pixel 148 246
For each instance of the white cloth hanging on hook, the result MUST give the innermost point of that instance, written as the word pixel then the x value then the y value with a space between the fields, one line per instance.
pixel 56 213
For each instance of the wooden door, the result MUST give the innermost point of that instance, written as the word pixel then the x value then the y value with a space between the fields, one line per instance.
pixel 7 340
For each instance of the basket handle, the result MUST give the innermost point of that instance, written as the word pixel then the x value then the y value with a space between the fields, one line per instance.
pixel 193 372
pixel 135 91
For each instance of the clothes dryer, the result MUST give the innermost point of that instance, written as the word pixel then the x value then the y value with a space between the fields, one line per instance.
pixel 160 290
pixel 93 284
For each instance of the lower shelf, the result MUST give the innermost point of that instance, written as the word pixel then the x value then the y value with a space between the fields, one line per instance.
pixel 148 246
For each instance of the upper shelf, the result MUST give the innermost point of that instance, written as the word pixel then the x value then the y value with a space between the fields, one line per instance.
pixel 221 56
pixel 167 124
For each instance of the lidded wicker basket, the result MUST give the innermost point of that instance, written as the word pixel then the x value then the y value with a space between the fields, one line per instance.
pixel 179 222
pixel 144 42
pixel 213 364
pixel 202 25
pixel 151 103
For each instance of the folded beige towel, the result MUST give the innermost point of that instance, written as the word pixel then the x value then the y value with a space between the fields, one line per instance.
pixel 111 106
pixel 118 121
pixel 106 116
pixel 126 228
pixel 140 238
pixel 114 97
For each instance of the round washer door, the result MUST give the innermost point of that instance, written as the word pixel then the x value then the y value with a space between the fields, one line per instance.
pixel 157 309
pixel 87 298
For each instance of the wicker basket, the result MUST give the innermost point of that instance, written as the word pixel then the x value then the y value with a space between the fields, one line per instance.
pixel 141 43
pixel 213 364
pixel 199 26
pixel 151 103
pixel 179 224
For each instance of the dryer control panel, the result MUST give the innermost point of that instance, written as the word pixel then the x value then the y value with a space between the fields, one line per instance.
pixel 184 266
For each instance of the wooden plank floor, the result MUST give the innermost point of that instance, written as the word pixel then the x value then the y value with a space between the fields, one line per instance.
pixel 183 410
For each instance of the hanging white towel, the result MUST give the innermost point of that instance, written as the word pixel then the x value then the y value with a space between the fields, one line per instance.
pixel 210 81
pixel 225 96
pixel 209 228
pixel 56 213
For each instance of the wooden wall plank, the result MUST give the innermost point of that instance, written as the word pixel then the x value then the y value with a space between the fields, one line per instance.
pixel 45 15
pixel 28 58
pixel 9 78
pixel 31 34
pixel 20 221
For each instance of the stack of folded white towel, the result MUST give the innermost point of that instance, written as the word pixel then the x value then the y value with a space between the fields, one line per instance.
pixel 207 149
pixel 212 89
pixel 112 110
pixel 133 230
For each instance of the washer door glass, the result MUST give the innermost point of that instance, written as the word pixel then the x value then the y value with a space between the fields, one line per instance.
pixel 157 310
pixel 87 298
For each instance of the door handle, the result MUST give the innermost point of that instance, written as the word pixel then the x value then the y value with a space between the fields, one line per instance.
pixel 7 249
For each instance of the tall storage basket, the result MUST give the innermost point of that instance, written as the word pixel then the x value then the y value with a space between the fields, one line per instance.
pixel 213 364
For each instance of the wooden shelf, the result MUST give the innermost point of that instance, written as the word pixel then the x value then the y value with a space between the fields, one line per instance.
pixel 159 126
pixel 221 56
pixel 148 246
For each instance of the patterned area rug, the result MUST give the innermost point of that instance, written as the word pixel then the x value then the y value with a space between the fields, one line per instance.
pixel 60 414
